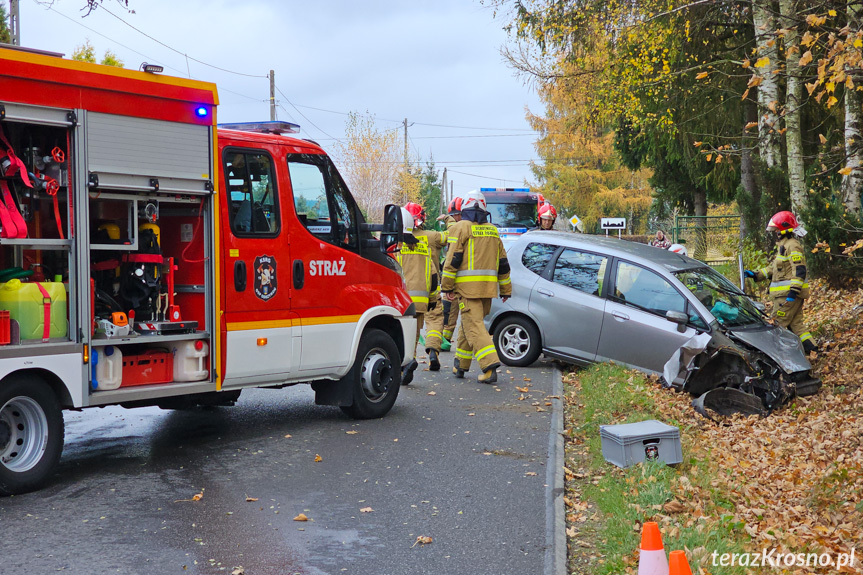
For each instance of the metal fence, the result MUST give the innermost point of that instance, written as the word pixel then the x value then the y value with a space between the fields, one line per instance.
pixel 714 240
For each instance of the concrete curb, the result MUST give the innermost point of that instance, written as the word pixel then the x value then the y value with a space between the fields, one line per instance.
pixel 555 523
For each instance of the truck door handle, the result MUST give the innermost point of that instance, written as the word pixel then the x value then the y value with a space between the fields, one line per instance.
pixel 546 292
pixel 299 274
pixel 240 275
pixel 620 316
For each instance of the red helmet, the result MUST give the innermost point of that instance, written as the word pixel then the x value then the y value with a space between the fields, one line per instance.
pixel 454 206
pixel 781 222
pixel 547 211
pixel 417 212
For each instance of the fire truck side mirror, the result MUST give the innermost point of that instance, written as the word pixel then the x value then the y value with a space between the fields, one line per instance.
pixel 393 230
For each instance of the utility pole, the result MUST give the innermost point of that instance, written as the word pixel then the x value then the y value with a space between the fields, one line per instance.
pixel 272 96
pixel 443 203
pixel 14 23
pixel 406 143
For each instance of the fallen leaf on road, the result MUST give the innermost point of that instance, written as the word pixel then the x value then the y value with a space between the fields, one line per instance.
pixel 238 571
pixel 352 432
pixel 301 517
pixel 548 403
pixel 470 414
pixel 366 510
pixel 527 379
pixel 530 474
pixel 288 436
pixel 432 393
pixel 318 458
pixel 508 371
pixel 250 499
pixel 522 389
pixel 540 409
pixel 195 497
pixel 422 540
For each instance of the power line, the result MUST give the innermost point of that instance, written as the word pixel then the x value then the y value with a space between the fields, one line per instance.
pixel 304 116
pixel 102 6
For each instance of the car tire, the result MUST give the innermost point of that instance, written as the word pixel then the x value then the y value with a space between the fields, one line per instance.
pixel 375 377
pixel 517 341
pixel 31 434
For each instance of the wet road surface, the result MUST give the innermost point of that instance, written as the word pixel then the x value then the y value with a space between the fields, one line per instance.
pixel 457 461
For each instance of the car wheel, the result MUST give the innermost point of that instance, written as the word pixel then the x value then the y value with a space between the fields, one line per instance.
pixel 517 341
pixel 375 377
pixel 31 434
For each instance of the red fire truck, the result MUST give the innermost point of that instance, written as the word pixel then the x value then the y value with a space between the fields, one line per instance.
pixel 151 257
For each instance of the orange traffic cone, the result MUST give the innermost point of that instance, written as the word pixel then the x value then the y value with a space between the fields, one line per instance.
pixel 651 557
pixel 678 565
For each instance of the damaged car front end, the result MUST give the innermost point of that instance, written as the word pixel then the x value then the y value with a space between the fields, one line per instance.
pixel 744 364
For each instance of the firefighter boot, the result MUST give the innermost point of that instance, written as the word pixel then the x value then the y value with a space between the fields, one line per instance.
pixel 434 362
pixel 408 372
pixel 489 375
pixel 809 346
pixel 457 370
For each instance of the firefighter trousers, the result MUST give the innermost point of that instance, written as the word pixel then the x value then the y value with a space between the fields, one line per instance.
pixel 474 341
pixel 790 315
pixel 434 326
pixel 450 319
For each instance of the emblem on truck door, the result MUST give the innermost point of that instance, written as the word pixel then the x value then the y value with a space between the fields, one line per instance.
pixel 266 282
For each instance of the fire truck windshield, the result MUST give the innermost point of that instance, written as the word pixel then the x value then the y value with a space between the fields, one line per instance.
pixel 516 215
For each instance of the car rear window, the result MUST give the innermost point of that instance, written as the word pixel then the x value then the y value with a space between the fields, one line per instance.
pixel 536 256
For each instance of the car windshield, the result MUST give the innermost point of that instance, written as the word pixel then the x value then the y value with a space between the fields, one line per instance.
pixel 512 215
pixel 730 306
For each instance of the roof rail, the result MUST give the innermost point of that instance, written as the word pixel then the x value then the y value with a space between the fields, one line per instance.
pixel 30 50
pixel 275 127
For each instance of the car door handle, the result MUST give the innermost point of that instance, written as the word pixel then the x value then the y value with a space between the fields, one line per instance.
pixel 546 292
pixel 299 274
pixel 240 275
pixel 620 316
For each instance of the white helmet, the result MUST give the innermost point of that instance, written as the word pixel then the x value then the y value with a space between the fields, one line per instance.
pixel 474 199
pixel 407 221
pixel 678 249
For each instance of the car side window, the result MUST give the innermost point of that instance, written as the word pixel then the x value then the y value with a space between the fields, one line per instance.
pixel 536 256
pixel 647 290
pixel 252 194
pixel 581 271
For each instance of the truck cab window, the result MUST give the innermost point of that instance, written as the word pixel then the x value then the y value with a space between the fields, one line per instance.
pixel 322 201
pixel 250 184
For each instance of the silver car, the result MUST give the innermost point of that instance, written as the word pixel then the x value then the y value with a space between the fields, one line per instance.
pixel 584 299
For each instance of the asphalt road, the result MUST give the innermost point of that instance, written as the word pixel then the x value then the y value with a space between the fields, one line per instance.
pixel 457 461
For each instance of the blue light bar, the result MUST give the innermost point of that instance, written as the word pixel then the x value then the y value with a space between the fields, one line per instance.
pixel 504 189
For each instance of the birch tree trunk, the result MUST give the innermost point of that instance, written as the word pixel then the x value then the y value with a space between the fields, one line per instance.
pixel 793 104
pixel 747 173
pixel 852 183
pixel 766 66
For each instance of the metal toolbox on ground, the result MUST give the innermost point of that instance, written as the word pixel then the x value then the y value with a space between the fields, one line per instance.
pixel 631 443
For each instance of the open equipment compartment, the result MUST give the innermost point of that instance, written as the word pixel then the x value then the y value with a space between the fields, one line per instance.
pixel 149 210
pixel 36 227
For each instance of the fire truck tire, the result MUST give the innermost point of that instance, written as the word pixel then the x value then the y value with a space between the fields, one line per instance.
pixel 31 434
pixel 375 377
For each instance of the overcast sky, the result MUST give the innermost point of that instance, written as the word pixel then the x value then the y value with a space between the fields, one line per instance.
pixel 438 64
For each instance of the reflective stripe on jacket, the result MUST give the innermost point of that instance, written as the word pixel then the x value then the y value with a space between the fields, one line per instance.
pixel 418 272
pixel 787 272
pixel 476 265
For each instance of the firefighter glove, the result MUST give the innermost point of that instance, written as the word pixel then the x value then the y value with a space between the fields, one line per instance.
pixel 791 297
pixel 749 273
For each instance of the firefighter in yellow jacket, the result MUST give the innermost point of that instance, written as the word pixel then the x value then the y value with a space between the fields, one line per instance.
pixel 476 266
pixel 435 241
pixel 450 308
pixel 421 280
pixel 787 273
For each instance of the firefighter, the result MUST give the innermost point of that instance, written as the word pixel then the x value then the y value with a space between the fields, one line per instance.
pixel 450 308
pixel 476 267
pixel 546 216
pixel 435 241
pixel 420 278
pixel 788 288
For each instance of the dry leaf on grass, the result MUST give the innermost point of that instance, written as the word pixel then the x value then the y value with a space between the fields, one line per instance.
pixel 674 506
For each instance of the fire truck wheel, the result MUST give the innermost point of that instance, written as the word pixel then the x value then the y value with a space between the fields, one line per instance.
pixel 31 434
pixel 375 377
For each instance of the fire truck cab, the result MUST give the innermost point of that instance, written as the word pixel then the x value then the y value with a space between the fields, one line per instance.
pixel 149 256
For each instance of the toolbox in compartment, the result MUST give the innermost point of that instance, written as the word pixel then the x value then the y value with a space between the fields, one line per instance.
pixel 148 367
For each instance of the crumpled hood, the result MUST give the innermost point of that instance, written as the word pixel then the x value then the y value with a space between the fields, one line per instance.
pixel 778 344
